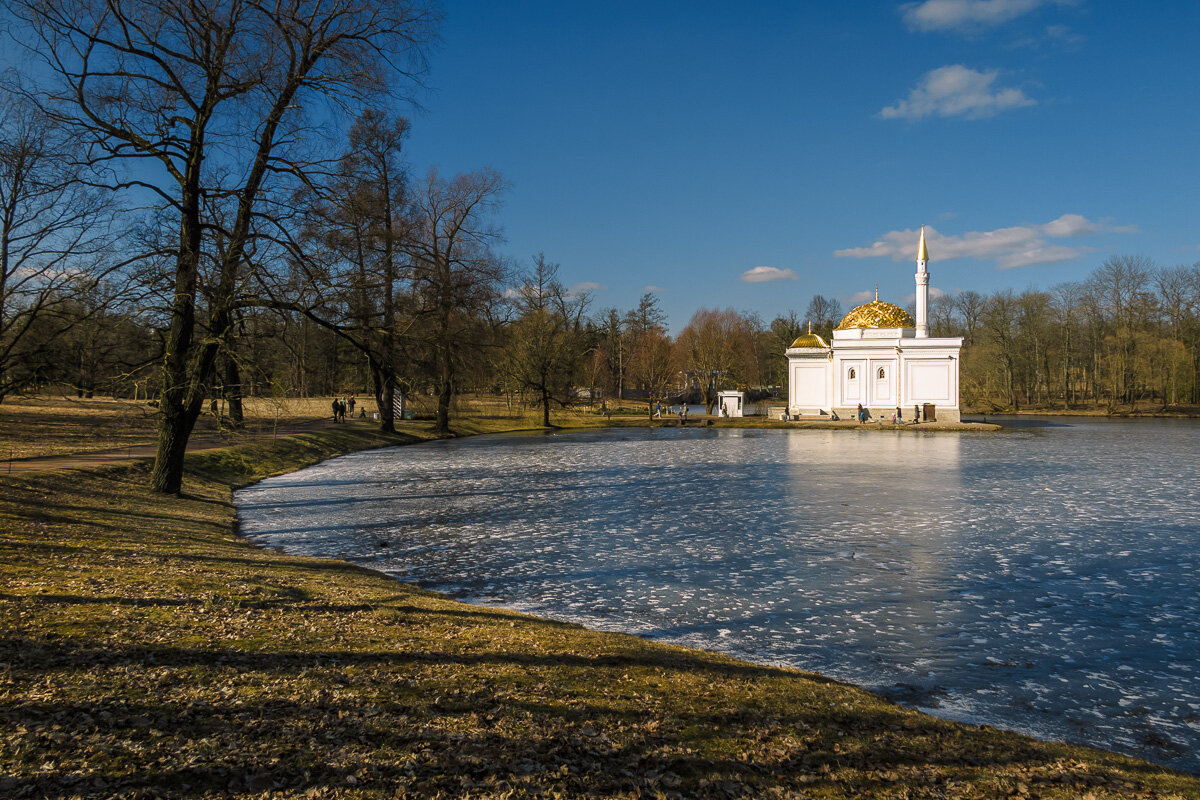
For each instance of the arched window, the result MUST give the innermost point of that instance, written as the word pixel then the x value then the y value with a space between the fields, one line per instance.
pixel 851 375
pixel 882 374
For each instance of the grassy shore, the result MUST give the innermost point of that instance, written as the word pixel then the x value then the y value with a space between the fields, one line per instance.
pixel 149 651
pixel 36 426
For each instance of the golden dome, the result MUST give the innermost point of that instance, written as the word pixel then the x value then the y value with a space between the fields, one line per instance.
pixel 876 314
pixel 809 339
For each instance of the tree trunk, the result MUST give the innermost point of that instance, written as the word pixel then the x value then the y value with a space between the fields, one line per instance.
pixel 385 397
pixel 545 407
pixel 445 393
pixel 175 425
pixel 175 422
pixel 233 393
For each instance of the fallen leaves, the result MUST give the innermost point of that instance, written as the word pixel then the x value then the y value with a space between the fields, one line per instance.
pixel 146 652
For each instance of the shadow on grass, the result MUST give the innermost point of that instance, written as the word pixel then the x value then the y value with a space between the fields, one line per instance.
pixel 44 653
pixel 392 726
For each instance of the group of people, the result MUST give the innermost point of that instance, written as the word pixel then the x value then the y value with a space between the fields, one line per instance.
pixel 897 418
pixel 342 406
pixel 682 412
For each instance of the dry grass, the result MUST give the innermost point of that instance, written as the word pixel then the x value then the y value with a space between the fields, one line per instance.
pixel 45 426
pixel 148 651
pixel 50 426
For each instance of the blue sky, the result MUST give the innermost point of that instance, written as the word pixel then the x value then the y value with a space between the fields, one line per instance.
pixel 681 145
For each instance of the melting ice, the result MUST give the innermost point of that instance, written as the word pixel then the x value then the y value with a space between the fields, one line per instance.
pixel 1045 579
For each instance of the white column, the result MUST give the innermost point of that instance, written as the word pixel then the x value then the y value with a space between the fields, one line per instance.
pixel 922 288
pixel 922 300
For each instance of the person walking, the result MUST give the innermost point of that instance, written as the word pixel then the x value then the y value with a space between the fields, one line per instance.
pixel 337 409
pixel 350 403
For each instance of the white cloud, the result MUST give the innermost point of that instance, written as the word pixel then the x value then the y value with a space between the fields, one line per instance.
pixel 1018 246
pixel 573 290
pixel 653 288
pixel 1063 34
pixel 1040 254
pixel 1070 225
pixel 957 91
pixel 862 297
pixel 763 274
pixel 965 16
pixel 934 294
pixel 576 289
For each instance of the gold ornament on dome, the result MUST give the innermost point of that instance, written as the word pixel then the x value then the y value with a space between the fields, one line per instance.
pixel 876 314
pixel 810 340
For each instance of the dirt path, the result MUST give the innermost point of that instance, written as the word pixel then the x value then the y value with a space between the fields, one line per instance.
pixel 137 452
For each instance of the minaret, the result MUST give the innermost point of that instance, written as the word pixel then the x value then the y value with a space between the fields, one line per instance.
pixel 922 288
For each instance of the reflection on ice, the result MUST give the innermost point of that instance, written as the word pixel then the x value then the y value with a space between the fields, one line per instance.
pixel 1045 580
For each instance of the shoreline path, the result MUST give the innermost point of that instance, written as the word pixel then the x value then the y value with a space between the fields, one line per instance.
pixel 148 449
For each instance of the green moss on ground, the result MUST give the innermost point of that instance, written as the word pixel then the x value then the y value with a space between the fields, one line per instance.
pixel 147 650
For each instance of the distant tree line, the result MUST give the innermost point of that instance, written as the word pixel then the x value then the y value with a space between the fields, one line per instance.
pixel 1126 338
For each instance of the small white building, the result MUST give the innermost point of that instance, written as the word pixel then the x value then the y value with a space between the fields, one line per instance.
pixel 729 404
pixel 880 359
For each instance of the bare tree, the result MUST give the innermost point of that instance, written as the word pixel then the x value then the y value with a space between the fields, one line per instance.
pixel 1119 290
pixel 942 316
pixel 545 347
pixel 55 234
pixel 781 333
pixel 969 305
pixel 201 104
pixel 999 320
pixel 716 347
pixel 1178 290
pixel 456 276
pixel 614 347
pixel 652 365
pixel 1064 305
pixel 645 318
pixel 356 279
pixel 824 313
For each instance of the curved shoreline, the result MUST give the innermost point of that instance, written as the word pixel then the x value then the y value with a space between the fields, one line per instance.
pixel 317 676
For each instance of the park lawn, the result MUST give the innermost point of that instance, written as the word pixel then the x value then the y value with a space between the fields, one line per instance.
pixel 147 650
pixel 43 426
pixel 58 425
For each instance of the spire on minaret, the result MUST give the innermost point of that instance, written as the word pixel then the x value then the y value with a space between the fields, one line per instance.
pixel 922 297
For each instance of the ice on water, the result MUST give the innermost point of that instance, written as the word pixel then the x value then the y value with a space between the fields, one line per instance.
pixel 1045 580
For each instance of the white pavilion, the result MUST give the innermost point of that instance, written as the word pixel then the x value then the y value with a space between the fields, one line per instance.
pixel 880 359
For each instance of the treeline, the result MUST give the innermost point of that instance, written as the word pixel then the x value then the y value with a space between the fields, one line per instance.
pixel 1124 339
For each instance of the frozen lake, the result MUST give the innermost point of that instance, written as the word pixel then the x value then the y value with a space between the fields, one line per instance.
pixel 1045 579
